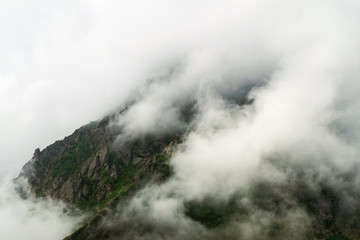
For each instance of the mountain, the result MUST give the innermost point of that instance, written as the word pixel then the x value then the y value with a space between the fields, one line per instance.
pixel 85 169
pixel 95 171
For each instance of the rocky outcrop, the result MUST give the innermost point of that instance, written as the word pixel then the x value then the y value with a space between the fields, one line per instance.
pixel 87 170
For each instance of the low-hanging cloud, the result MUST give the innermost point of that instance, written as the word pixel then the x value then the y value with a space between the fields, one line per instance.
pixel 293 138
pixel 33 218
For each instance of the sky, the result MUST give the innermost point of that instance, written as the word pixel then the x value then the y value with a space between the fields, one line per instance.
pixel 66 63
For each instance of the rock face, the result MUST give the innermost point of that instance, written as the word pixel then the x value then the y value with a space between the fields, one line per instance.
pixel 85 169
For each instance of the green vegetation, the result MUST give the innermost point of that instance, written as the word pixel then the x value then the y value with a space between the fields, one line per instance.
pixel 108 180
pixel 89 126
pixel 163 161
pixel 95 220
pixel 113 158
pixel 123 184
pixel 120 187
pixel 165 170
pixel 127 173
pixel 39 193
pixel 104 172
pixel 72 159
pixel 336 237
pixel 161 158
pixel 91 184
pixel 210 214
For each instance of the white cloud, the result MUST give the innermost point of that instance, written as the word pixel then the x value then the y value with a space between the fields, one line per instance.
pixel 33 218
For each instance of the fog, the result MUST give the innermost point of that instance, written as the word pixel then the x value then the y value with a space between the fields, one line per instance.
pixel 297 136
pixel 33 218
pixel 274 85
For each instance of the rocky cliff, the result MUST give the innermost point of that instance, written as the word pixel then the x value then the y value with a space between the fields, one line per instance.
pixel 86 170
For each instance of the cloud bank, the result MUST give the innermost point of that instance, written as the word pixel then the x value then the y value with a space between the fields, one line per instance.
pixel 33 218
pixel 289 139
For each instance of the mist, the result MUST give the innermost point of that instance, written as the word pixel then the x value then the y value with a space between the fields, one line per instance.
pixel 292 137
pixel 33 218
pixel 271 88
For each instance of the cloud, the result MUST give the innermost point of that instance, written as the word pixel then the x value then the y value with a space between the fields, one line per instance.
pixel 295 138
pixel 33 218
pixel 298 89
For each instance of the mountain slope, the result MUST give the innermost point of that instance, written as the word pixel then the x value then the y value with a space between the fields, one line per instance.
pixel 85 169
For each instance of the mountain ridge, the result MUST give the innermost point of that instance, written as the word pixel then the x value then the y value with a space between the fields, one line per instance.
pixel 86 170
